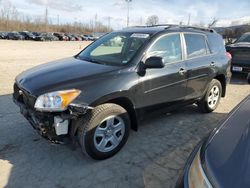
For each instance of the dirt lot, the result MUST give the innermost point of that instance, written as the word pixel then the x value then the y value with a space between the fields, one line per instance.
pixel 16 57
pixel 152 157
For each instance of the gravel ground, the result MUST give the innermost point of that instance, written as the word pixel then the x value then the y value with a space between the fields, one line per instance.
pixel 152 157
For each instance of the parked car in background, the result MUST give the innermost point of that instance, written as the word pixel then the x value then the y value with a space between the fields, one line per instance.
pixel 96 96
pixel 3 35
pixel 14 36
pixel 222 159
pixel 84 37
pixel 91 38
pixel 48 37
pixel 71 37
pixel 240 51
pixel 35 33
pixel 61 36
pixel 27 35
pixel 97 35
pixel 39 38
pixel 77 37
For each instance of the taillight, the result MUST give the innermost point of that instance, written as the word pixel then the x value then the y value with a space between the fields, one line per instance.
pixel 229 55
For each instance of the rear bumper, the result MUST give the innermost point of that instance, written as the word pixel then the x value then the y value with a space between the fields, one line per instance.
pixel 240 68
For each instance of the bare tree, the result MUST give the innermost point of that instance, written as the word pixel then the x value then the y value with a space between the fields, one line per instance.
pixel 212 24
pixel 200 24
pixel 12 20
pixel 152 20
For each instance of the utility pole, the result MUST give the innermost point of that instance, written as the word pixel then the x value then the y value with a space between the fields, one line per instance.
pixel 189 16
pixel 46 18
pixel 128 2
pixel 108 18
pixel 141 21
pixel 95 28
pixel 58 19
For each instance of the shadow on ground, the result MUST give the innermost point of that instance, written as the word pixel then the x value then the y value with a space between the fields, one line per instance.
pixel 239 79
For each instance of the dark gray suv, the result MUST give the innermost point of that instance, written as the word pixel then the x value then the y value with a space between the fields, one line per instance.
pixel 97 96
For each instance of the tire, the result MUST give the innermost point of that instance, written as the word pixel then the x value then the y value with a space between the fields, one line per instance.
pixel 248 78
pixel 212 97
pixel 103 131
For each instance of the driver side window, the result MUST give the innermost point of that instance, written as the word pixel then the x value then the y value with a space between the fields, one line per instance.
pixel 168 47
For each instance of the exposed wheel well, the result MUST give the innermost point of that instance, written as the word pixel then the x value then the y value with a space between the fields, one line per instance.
pixel 129 107
pixel 222 80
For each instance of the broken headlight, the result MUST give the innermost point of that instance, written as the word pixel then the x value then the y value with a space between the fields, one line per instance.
pixel 56 101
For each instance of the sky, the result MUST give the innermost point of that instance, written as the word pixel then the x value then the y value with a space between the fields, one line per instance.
pixel 115 11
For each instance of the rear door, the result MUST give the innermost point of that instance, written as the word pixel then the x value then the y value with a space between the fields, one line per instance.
pixel 199 64
pixel 168 84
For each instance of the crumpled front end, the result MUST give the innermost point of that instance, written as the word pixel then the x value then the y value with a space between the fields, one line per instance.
pixel 58 127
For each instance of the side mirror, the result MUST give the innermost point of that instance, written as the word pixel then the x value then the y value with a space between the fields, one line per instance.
pixel 154 63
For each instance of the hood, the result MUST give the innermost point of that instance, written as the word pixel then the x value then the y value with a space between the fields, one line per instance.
pixel 239 44
pixel 227 156
pixel 61 74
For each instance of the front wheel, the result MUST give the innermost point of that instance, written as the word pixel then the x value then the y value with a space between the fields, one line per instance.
pixel 104 131
pixel 212 97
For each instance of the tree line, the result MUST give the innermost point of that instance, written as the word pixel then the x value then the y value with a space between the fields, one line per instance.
pixel 12 20
pixel 235 32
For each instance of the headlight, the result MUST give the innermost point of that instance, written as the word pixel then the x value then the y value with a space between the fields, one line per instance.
pixel 56 101
pixel 196 176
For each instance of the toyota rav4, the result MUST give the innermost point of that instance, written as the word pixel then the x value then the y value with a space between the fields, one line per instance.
pixel 97 96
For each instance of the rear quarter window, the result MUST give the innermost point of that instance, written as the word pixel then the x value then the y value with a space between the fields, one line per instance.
pixel 216 43
pixel 196 45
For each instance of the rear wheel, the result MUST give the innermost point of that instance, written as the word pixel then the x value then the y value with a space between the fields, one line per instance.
pixel 212 97
pixel 104 131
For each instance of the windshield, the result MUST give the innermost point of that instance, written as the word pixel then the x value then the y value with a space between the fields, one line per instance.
pixel 114 48
pixel 244 38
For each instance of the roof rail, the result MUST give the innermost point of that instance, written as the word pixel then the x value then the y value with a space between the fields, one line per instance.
pixel 198 28
pixel 164 25
pixel 159 25
pixel 167 26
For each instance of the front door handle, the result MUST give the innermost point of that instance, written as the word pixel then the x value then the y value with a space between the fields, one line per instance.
pixel 182 71
pixel 212 64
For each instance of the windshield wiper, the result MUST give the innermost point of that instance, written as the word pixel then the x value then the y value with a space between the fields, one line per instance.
pixel 91 60
pixel 95 61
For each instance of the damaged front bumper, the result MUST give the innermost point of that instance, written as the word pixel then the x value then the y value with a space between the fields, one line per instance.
pixel 58 127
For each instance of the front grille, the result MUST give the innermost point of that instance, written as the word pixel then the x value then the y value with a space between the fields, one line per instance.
pixel 16 94
pixel 23 96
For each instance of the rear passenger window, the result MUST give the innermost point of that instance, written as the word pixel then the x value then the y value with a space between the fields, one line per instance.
pixel 216 43
pixel 168 47
pixel 196 45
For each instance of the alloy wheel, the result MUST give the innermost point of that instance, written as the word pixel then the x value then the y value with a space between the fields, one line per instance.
pixel 109 133
pixel 213 96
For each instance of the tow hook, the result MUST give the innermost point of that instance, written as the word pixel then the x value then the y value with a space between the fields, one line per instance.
pixel 42 130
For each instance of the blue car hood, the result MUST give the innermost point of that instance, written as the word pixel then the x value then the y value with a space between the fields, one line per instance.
pixel 227 154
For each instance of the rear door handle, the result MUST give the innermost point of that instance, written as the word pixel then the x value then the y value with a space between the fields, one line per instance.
pixel 212 64
pixel 182 71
